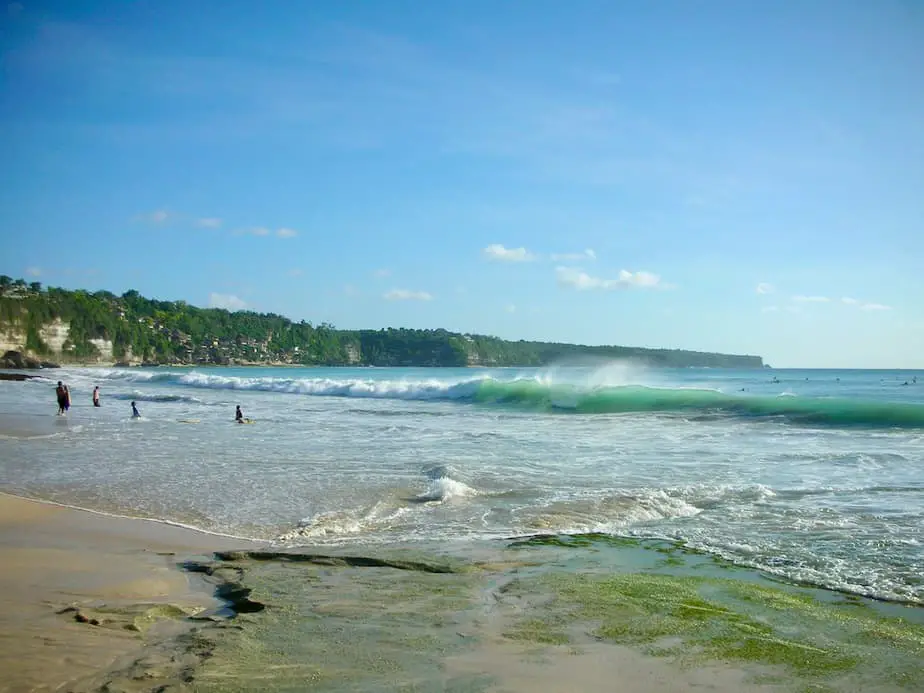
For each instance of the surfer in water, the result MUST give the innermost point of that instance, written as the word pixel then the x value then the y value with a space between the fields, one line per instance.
pixel 238 414
pixel 135 413
pixel 96 396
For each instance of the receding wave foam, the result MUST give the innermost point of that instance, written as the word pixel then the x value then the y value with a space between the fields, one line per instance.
pixel 606 514
pixel 538 394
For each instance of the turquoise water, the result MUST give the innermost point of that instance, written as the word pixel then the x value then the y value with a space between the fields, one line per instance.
pixel 815 476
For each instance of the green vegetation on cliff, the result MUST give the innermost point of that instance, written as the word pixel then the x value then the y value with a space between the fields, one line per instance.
pixel 175 332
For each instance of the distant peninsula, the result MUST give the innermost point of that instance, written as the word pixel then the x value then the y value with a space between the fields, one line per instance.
pixel 100 327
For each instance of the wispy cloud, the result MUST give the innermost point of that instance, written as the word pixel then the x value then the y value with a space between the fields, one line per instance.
pixel 382 273
pixel 510 308
pixel 351 291
pixel 765 288
pixel 158 216
pixel 295 272
pixel 811 299
pixel 575 278
pixel 864 305
pixel 34 271
pixel 496 251
pixel 226 301
pixel 406 295
pixel 263 232
pixel 209 222
pixel 769 309
pixel 587 254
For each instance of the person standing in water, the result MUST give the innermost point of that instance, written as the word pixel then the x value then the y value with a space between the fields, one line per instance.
pixel 96 396
pixel 135 413
pixel 61 394
pixel 67 398
pixel 238 414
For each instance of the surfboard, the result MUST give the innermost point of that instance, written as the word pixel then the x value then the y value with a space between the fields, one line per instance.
pixel 188 421
pixel 247 421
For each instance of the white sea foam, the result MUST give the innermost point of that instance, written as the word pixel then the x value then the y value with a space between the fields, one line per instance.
pixel 444 489
pixel 351 387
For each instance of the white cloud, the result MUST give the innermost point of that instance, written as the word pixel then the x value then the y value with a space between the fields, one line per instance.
pixel 587 254
pixel 765 288
pixel 259 231
pixel 811 299
pixel 34 271
pixel 158 216
pixel 382 273
pixel 641 279
pixel 209 222
pixel 406 295
pixel 575 278
pixel 496 251
pixel 864 305
pixel 287 233
pixel 510 308
pixel 226 301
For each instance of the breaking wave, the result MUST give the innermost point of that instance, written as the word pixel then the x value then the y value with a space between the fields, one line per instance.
pixel 155 397
pixel 540 394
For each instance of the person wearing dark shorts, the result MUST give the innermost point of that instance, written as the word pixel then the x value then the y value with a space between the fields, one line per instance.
pixel 62 395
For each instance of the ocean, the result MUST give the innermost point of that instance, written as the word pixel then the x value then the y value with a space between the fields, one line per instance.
pixel 813 476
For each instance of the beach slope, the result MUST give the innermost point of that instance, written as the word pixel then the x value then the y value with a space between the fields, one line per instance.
pixel 79 591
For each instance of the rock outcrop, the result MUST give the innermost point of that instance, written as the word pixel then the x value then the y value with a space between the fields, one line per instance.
pixel 18 361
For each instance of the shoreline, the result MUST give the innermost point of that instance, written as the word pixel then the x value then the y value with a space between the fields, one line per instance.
pixel 94 602
pixel 82 590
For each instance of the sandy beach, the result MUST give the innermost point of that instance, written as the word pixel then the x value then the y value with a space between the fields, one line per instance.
pixel 55 558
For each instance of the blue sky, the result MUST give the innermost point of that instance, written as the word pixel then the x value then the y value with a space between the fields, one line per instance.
pixel 728 176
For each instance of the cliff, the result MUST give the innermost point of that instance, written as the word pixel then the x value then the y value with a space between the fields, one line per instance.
pixel 78 326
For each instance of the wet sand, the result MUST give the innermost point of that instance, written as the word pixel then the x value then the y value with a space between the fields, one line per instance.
pixel 54 558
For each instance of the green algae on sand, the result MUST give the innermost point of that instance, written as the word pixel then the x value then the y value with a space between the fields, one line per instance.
pixel 739 616
pixel 335 623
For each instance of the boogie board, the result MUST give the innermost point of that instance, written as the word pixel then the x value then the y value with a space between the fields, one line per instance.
pixel 189 421
pixel 246 421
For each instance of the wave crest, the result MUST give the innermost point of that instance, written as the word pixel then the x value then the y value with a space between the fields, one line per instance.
pixel 540 393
